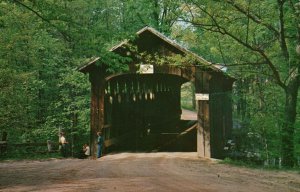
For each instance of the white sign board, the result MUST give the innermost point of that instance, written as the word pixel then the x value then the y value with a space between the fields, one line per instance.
pixel 146 69
pixel 202 96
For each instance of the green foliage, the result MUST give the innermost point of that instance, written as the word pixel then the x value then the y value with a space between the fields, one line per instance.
pixel 188 96
pixel 41 45
pixel 43 42
pixel 256 40
pixel 115 62
pixel 20 154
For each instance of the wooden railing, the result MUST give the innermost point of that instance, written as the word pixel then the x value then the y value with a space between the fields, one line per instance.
pixel 42 147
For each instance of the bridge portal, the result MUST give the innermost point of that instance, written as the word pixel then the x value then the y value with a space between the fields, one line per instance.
pixel 140 108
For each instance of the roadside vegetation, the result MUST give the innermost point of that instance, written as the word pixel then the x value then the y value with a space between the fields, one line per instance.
pixel 43 42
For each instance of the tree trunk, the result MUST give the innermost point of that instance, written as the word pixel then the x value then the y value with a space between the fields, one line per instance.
pixel 288 129
pixel 155 13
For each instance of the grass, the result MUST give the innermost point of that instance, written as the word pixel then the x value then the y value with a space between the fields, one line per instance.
pixel 252 165
pixel 29 156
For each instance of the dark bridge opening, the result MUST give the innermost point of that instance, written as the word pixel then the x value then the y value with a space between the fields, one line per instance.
pixel 143 113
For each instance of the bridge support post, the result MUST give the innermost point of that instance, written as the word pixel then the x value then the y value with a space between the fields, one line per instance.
pixel 203 127
pixel 97 79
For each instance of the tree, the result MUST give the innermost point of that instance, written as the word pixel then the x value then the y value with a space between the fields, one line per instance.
pixel 266 34
pixel 27 60
pixel 42 43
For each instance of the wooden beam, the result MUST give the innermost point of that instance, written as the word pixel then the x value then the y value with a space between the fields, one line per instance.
pixel 97 79
pixel 203 133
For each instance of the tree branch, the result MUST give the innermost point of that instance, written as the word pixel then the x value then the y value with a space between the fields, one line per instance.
pixel 221 50
pixel 65 35
pixel 252 16
pixel 281 30
pixel 245 64
pixel 223 31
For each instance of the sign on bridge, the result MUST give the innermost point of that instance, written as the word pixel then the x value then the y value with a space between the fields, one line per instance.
pixel 202 96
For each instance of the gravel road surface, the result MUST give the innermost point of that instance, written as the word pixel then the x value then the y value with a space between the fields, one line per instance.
pixel 136 172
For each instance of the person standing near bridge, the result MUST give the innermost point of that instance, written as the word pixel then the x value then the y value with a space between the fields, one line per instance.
pixel 63 144
pixel 99 144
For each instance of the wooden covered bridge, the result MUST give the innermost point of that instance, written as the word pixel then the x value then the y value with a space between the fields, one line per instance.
pixel 136 109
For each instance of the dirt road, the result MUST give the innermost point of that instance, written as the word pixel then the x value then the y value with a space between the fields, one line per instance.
pixel 155 172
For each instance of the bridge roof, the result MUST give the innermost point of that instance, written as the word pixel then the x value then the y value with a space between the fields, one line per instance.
pixel 148 36
pixel 170 42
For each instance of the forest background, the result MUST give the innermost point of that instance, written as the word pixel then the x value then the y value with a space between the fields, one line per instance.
pixel 43 42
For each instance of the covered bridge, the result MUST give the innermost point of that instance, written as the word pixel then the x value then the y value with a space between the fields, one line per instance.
pixel 136 107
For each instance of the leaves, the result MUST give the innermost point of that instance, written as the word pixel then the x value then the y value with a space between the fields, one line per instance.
pixel 43 42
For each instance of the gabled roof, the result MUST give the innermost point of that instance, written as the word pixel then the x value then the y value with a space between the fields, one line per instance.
pixel 164 38
pixel 167 40
pixel 86 66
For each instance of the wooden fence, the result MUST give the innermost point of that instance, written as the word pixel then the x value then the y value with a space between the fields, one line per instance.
pixel 44 147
